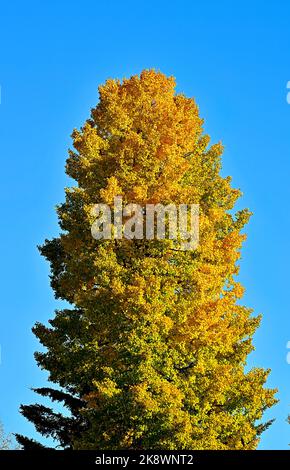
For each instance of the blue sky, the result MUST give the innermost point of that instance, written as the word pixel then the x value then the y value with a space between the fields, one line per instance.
pixel 233 57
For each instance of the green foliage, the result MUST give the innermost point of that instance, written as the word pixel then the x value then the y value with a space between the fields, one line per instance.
pixel 152 353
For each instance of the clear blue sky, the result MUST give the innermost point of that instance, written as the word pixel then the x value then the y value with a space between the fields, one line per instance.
pixel 233 57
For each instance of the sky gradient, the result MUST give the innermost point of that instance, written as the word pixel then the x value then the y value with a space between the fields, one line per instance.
pixel 234 58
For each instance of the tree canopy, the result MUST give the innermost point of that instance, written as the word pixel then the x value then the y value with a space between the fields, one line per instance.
pixel 152 353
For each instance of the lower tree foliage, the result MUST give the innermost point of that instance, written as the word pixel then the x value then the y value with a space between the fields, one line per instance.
pixel 152 354
pixel 50 424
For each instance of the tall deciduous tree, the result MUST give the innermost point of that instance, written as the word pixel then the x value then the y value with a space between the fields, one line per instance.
pixel 152 354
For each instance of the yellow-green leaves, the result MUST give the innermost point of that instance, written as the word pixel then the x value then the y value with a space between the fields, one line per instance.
pixel 157 342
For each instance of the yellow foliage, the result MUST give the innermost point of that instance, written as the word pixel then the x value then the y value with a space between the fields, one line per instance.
pixel 162 336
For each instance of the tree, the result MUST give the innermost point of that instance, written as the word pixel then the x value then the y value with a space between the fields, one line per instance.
pixel 6 440
pixel 152 353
